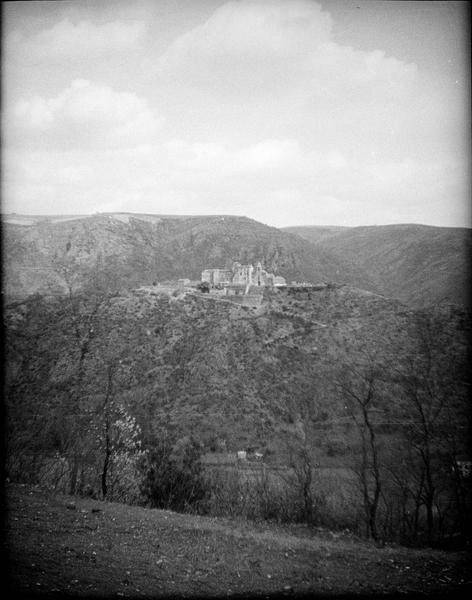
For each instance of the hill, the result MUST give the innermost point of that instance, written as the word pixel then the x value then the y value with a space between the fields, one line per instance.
pixel 139 249
pixel 314 233
pixel 65 546
pixel 219 371
pixel 417 264
pixel 97 383
pixel 357 402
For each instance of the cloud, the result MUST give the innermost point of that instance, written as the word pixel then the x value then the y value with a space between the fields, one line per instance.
pixel 276 181
pixel 268 155
pixel 276 45
pixel 84 113
pixel 262 69
pixel 269 160
pixel 266 114
pixel 251 30
pixel 68 42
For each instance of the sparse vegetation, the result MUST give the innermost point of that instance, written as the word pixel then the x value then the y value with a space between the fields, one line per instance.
pixel 66 546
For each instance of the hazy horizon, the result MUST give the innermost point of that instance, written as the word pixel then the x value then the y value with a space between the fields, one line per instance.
pixel 330 113
pixel 179 215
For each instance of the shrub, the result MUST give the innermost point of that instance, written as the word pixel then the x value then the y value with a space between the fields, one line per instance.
pixel 257 497
pixel 336 447
pixel 203 287
pixel 172 475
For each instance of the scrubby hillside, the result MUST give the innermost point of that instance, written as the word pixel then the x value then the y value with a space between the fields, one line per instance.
pixel 314 233
pixel 417 264
pixel 202 365
pixel 357 402
pixel 335 377
pixel 138 250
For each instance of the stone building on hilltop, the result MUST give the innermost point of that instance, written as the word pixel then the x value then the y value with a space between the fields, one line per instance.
pixel 242 279
pixel 217 277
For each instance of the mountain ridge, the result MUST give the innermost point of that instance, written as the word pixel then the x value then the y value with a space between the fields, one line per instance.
pixel 415 263
pixel 140 252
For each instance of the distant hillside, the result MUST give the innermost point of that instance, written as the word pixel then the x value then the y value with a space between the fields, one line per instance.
pixel 313 233
pixel 417 264
pixel 39 254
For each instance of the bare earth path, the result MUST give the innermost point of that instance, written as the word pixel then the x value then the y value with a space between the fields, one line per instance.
pixel 62 546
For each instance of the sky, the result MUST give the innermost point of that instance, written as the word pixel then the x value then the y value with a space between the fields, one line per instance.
pixel 290 112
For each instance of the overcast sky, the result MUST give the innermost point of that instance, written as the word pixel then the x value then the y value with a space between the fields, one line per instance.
pixel 291 112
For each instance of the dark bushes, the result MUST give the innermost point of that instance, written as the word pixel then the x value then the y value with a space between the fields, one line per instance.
pixel 172 476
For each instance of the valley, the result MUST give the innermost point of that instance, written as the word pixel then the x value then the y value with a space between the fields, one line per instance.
pixel 417 264
pixel 126 385
pixel 236 308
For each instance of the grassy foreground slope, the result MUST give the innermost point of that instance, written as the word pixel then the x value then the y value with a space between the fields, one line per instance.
pixel 61 545
pixel 417 264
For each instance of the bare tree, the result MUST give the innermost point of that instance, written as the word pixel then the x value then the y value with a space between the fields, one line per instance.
pixel 435 413
pixel 88 292
pixel 359 386
pixel 303 440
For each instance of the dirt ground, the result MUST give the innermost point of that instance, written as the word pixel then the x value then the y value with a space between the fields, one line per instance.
pixel 63 546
